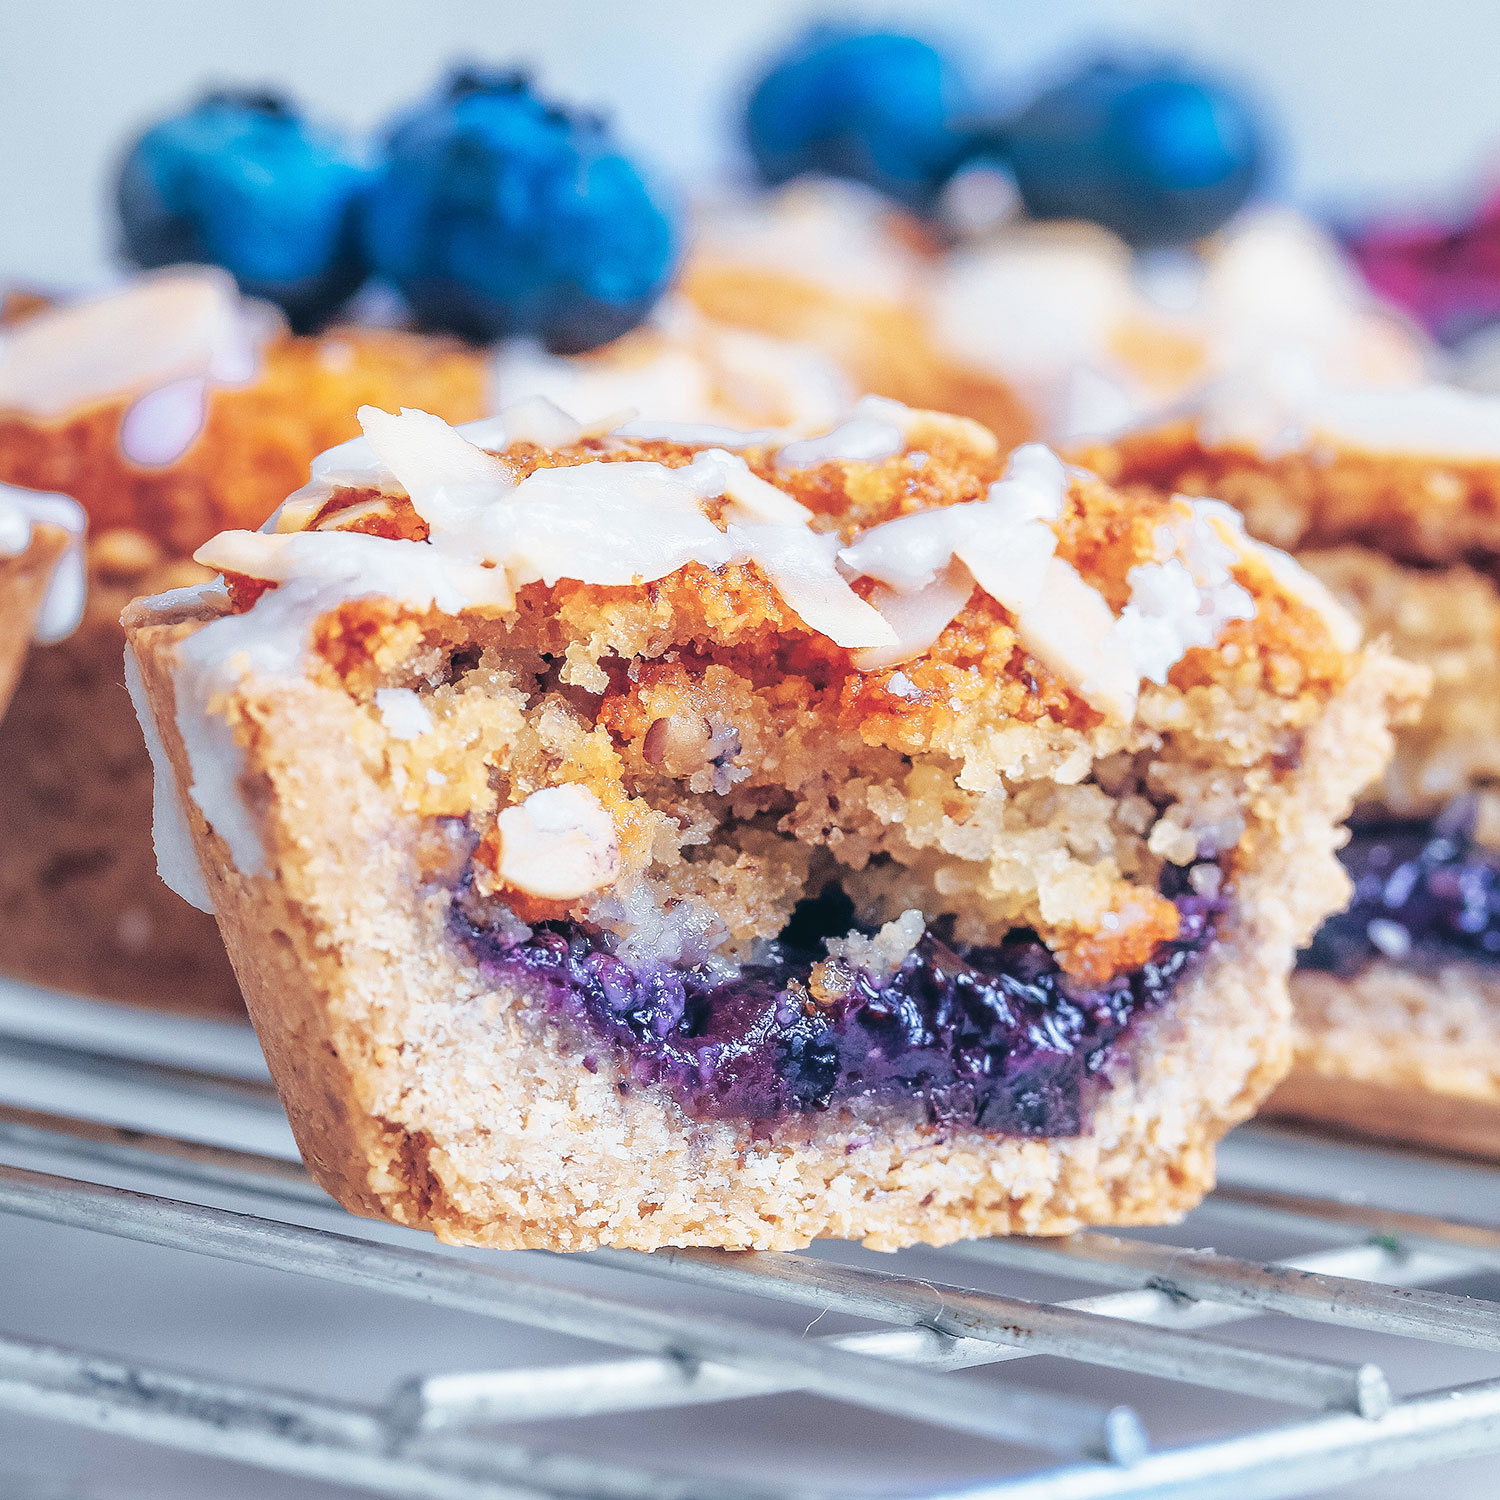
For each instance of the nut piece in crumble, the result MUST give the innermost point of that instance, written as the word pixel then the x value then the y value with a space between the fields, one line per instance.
pixel 1394 494
pixel 630 841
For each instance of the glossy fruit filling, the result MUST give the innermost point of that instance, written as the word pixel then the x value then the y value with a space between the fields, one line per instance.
pixel 1424 893
pixel 995 1037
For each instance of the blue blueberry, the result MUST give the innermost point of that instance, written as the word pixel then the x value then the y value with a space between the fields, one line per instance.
pixel 1144 148
pixel 499 214
pixel 872 106
pixel 242 181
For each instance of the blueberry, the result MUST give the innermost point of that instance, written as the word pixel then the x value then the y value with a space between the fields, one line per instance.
pixel 872 106
pixel 1144 148
pixel 242 181
pixel 499 214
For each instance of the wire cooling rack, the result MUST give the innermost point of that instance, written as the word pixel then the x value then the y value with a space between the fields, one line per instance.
pixel 1274 1412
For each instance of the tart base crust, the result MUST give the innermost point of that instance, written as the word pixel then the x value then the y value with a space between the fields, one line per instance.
pixel 81 905
pixel 23 586
pixel 420 1094
pixel 1400 1056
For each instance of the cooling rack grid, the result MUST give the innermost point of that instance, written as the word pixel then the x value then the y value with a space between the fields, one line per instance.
pixel 1286 1417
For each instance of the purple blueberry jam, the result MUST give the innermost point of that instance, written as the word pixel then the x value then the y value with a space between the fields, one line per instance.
pixel 994 1037
pixel 1424 893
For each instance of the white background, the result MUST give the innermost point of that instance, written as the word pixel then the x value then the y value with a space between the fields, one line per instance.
pixel 1381 99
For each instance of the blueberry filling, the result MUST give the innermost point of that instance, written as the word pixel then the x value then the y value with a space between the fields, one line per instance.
pixel 994 1037
pixel 1425 893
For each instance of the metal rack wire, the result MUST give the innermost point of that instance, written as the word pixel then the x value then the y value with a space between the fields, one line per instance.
pixel 1379 1270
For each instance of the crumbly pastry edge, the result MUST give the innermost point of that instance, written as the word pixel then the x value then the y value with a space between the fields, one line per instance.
pixel 24 580
pixel 416 1095
pixel 1398 1054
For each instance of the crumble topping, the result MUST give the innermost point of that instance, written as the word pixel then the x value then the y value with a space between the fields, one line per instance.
pixel 687 633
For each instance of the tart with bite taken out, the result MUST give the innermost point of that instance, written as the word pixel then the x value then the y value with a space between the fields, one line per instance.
pixel 1389 497
pixel 629 841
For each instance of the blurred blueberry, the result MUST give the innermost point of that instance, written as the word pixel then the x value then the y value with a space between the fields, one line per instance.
pixel 871 106
pixel 242 181
pixel 498 214
pixel 1144 148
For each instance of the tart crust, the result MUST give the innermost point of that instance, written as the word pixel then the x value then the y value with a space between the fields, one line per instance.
pixel 23 586
pixel 417 1093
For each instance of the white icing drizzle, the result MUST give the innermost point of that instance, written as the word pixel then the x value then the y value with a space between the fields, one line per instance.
pixel 20 511
pixel 1036 306
pixel 1069 629
pixel 682 368
pixel 872 431
pixel 158 330
pixel 696 433
pixel 1002 542
pixel 161 425
pixel 821 231
pixel 1284 406
pixel 1094 342
pixel 176 860
pixel 634 521
pixel 268 640
pixel 1182 600
pixel 918 616
pixel 1343 628
pixel 1279 284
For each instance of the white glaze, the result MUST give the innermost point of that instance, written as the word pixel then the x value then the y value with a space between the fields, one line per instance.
pixel 159 328
pixel 818 231
pixel 917 617
pixel 20 511
pixel 695 434
pixel 1345 631
pixel 681 368
pixel 160 426
pixel 629 522
pixel 1035 307
pixel 872 431
pixel 1094 343
pixel 1182 600
pixel 1277 285
pixel 176 859
pixel 1003 542
pixel 1284 405
pixel 1069 629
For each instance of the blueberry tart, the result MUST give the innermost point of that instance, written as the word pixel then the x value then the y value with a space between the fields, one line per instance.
pixel 628 839
pixel 1389 497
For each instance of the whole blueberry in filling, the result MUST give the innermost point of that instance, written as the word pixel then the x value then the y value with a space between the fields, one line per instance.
pixel 995 1037
pixel 1424 893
